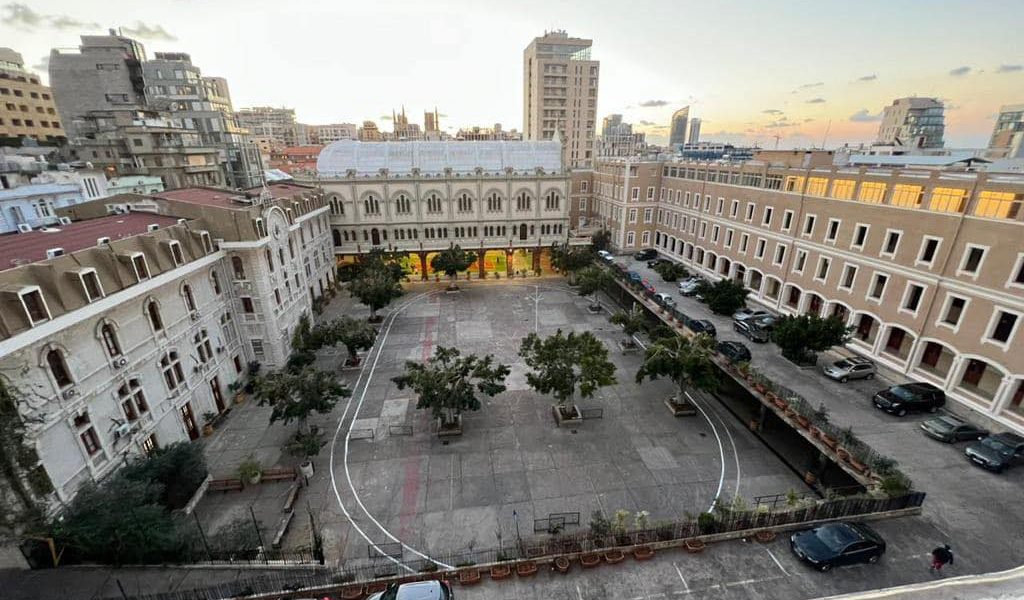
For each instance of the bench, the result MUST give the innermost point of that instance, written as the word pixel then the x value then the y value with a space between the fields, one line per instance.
pixel 281 474
pixel 225 485
pixel 282 528
pixel 293 495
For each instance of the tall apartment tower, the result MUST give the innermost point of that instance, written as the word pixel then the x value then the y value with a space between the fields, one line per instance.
pixel 560 95
pixel 1008 134
pixel 694 131
pixel 103 73
pixel 431 121
pixel 28 109
pixel 677 130
pixel 913 122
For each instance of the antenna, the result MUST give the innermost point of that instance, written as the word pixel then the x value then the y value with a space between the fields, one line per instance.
pixel 824 138
pixel 777 138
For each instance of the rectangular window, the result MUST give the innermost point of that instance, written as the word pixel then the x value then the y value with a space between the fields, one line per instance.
pixel 1017 275
pixel 750 212
pixel 878 286
pixel 912 298
pixel 176 253
pixel 91 283
pixel 780 254
pixel 947 200
pixel 929 247
pixel 833 230
pixel 816 186
pixel 794 183
pixel 971 262
pixel 954 311
pixel 90 441
pixel 823 266
pixel 632 215
pixel 809 225
pixel 636 193
pixel 860 236
pixel 759 252
pixel 714 234
pixel 787 220
pixel 648 215
pixel 728 238
pixel 35 306
pixel 140 266
pixel 892 242
pixel 766 220
pixel 872 192
pixel 247 305
pixel 998 205
pixel 801 260
pixel 849 276
pixel 744 238
pixel 720 207
pixel 842 189
pixel 907 196
pixel 703 229
pixel 734 208
pixel 1003 328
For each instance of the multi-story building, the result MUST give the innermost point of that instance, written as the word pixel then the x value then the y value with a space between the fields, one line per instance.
pixel 27 108
pixel 618 139
pixel 204 103
pixel 488 134
pixel 32 190
pixel 1008 134
pixel 505 200
pixel 694 131
pixel 913 122
pixel 369 132
pixel 145 142
pixel 104 73
pixel 276 124
pixel 325 134
pixel 134 184
pixel 432 121
pixel 132 322
pixel 716 150
pixel 298 159
pixel 560 83
pixel 919 261
pixel 677 128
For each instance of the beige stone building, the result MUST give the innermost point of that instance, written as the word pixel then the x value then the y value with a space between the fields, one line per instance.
pixel 926 264
pixel 560 83
pixel 27 108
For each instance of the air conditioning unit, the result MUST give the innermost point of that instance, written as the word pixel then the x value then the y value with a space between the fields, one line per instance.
pixel 54 252
pixel 120 362
pixel 24 228
pixel 152 227
pixel 69 393
pixel 182 221
pixel 64 221
pixel 194 316
pixel 102 240
pixel 122 430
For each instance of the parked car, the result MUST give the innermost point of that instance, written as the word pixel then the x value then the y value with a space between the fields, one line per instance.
pixel 605 255
pixel 621 267
pixel 997 452
pixel 744 314
pixel 751 331
pixel 665 299
pixel 647 254
pixel 689 287
pixel 634 276
pixel 901 399
pixel 657 261
pixel 420 590
pixel 766 323
pixel 648 287
pixel 734 351
pixel 846 369
pixel 699 326
pixel 952 429
pixel 837 544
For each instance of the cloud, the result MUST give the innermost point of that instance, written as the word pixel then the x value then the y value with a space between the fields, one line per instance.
pixel 648 123
pixel 148 32
pixel 22 17
pixel 815 101
pixel 870 77
pixel 653 103
pixel 808 120
pixel 772 111
pixel 780 123
pixel 43 64
pixel 385 117
pixel 863 116
pixel 808 86
pixel 442 115
pixel 1010 68
pixel 960 71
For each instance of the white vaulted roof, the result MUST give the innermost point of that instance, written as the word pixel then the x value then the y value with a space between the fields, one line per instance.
pixel 432 158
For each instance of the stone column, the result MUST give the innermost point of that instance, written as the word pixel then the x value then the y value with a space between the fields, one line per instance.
pixel 536 258
pixel 480 262
pixel 508 262
pixel 423 265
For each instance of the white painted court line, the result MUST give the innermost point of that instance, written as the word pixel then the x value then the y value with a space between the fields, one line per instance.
pixel 777 563
pixel 679 572
pixel 579 594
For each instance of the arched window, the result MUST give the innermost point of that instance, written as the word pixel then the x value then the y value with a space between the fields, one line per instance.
pixel 433 204
pixel 59 368
pixel 133 400
pixel 523 201
pixel 371 205
pixel 238 267
pixel 170 366
pixel 465 203
pixel 215 279
pixel 493 202
pixel 402 205
pixel 270 259
pixel 190 300
pixel 153 312
pixel 336 236
pixel 110 340
pixel 552 201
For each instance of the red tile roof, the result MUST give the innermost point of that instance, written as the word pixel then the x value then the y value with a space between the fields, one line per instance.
pixel 23 248
pixel 282 190
pixel 312 151
pixel 206 196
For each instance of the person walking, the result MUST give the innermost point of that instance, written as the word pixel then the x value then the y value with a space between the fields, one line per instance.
pixel 940 557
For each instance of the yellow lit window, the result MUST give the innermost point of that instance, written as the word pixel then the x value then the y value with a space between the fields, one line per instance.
pixel 842 189
pixel 794 184
pixel 871 191
pixel 1001 205
pixel 908 196
pixel 816 186
pixel 947 200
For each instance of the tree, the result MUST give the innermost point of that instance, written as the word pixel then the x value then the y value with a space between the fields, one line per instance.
pixel 564 364
pixel 378 259
pixel 354 334
pixel 375 288
pixel 724 297
pixel 687 363
pixel 20 472
pixel 593 279
pixel 449 383
pixel 671 271
pixel 632 322
pixel 179 469
pixel 570 260
pixel 296 395
pixel 801 338
pixel 452 260
pixel 602 240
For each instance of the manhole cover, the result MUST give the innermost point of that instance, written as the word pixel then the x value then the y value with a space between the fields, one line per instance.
pixel 574 431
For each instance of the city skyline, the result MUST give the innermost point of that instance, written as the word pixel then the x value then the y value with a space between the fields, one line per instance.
pixel 472 70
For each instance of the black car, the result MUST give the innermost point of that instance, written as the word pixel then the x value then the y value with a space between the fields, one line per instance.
pixel 654 263
pixel 901 399
pixel 699 326
pixel 997 452
pixel 420 590
pixel 734 351
pixel 837 544
pixel 951 429
pixel 647 254
pixel 752 331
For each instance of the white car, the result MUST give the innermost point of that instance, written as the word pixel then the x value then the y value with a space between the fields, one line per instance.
pixel 665 299
pixel 605 256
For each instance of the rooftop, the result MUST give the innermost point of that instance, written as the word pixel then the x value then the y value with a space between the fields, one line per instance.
pixel 22 248
pixel 432 158
pixel 38 189
pixel 207 196
pixel 282 190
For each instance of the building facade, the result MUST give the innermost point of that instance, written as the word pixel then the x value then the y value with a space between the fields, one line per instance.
pixel 505 200
pixel 618 139
pixel 27 108
pixel 677 128
pixel 1008 134
pixel 131 324
pixel 270 123
pixel 913 122
pixel 694 131
pixel 560 84
pixel 134 184
pixel 325 134
pixel 488 134
pixel 908 257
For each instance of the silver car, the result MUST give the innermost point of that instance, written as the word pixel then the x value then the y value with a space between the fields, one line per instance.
pixel 665 300
pixel 744 314
pixel 850 368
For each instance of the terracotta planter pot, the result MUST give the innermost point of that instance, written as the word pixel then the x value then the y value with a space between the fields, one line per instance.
pixel 765 535
pixel 561 564
pixel 469 576
pixel 802 421
pixel 643 553
pixel 527 568
pixel 694 546
pixel 780 403
pixel 614 556
pixel 499 572
pixel 842 454
pixel 761 388
pixel 858 465
pixel 810 478
pixel 814 431
pixel 828 440
pixel 590 560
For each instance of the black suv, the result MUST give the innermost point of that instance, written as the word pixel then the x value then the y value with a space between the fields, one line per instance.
pixel 734 351
pixel 901 399
pixel 647 254
pixel 700 326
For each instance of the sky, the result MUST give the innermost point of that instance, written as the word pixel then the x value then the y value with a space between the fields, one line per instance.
pixel 812 73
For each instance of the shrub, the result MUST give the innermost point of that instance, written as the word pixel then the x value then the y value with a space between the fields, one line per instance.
pixel 178 470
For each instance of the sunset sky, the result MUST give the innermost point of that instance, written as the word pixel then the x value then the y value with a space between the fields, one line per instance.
pixel 750 69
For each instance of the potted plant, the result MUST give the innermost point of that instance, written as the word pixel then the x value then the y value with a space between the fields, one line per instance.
pixel 469 576
pixel 208 419
pixel 590 560
pixel 250 471
pixel 613 556
pixel 237 389
pixel 564 364
pixel 765 535
pixel 561 564
pixel 643 552
pixel 694 545
pixel 526 568
pixel 499 572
